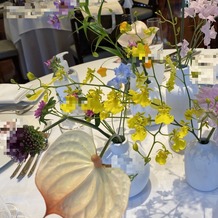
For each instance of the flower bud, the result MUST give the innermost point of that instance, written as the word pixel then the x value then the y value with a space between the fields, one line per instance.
pixel 31 76
pixel 135 147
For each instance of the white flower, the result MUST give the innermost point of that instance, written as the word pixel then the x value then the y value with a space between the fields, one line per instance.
pixel 137 34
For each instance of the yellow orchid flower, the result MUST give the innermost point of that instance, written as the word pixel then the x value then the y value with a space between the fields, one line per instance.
pixel 93 101
pixel 141 51
pixel 70 105
pixel 140 79
pixel 89 75
pixel 138 122
pixel 35 95
pixel 139 134
pixel 163 115
pixel 125 27
pixel 179 144
pixel 113 103
pixel 162 156
pixel 102 71
pixel 141 97
pixel 171 82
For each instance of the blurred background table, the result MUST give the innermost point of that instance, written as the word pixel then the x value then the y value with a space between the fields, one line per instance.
pixel 36 39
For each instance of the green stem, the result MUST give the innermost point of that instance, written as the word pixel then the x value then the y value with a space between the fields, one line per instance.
pixel 54 124
pixel 210 134
pixel 88 124
pixel 108 143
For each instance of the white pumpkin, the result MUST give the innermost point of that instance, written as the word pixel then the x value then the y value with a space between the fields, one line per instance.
pixel 74 183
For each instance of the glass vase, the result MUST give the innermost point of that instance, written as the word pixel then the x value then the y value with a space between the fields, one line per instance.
pixel 201 164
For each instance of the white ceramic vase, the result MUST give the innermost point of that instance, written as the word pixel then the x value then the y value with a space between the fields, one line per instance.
pixel 154 94
pixel 201 165
pixel 124 157
pixel 178 98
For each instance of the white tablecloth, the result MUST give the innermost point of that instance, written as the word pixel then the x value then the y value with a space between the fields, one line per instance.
pixel 37 41
pixel 166 195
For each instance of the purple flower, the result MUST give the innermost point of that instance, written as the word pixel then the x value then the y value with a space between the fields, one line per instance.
pixel 89 113
pixel 39 110
pixel 54 21
pixel 123 73
pixel 132 44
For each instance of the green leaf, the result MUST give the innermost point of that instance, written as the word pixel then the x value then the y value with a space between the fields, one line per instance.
pixel 95 54
pixel 111 50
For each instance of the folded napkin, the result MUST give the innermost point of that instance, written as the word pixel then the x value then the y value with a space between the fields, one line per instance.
pixel 11 94
pixel 205 64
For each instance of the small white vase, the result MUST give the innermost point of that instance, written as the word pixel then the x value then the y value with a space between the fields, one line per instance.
pixel 123 157
pixel 201 165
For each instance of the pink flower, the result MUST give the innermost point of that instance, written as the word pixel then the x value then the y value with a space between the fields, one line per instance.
pixel 209 33
pixel 184 48
pixel 38 111
pixel 208 100
pixel 48 63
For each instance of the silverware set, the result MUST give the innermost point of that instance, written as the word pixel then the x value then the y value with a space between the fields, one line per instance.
pixel 17 109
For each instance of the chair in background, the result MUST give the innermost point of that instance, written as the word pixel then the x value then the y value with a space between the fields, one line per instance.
pixel 144 9
pixel 8 51
pixel 83 47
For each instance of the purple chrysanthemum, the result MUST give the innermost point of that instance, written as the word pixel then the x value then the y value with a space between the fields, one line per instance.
pixel 39 110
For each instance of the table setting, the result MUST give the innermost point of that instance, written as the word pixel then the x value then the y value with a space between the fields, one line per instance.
pixel 145 139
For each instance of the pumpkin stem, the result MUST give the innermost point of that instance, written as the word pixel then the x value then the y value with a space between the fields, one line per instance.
pixel 96 160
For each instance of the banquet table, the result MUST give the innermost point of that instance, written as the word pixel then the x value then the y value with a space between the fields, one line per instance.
pixel 36 40
pixel 166 195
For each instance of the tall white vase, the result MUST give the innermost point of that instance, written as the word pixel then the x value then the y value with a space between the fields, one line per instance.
pixel 124 157
pixel 154 93
pixel 178 98
pixel 201 165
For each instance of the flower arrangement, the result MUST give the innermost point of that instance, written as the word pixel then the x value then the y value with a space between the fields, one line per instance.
pixel 106 106
pixel 133 50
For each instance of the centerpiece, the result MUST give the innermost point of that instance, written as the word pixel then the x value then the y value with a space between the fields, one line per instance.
pixel 103 102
